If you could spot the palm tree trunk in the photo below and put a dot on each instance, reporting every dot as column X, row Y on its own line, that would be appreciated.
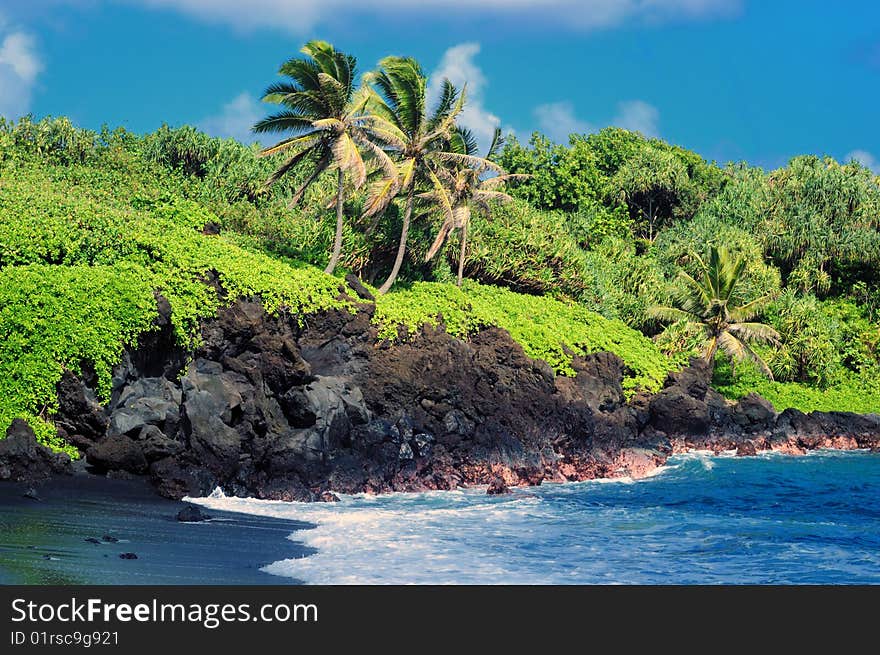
column 710, row 353
column 320, row 167
column 461, row 254
column 401, row 249
column 337, row 241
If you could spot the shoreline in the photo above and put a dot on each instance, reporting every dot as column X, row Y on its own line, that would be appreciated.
column 79, row 526
column 705, row 517
column 45, row 541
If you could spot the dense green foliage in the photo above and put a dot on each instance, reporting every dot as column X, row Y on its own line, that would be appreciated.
column 92, row 225
column 83, row 248
column 59, row 317
column 852, row 393
column 87, row 238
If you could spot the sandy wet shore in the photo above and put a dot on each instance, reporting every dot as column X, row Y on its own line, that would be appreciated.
column 51, row 539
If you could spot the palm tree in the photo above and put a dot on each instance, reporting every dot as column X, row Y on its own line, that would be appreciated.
column 325, row 116
column 465, row 189
column 707, row 305
column 420, row 140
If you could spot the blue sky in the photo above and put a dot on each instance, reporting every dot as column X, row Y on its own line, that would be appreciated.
column 731, row 79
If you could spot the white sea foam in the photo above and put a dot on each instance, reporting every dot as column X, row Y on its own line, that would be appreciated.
column 393, row 539
column 556, row 533
column 437, row 537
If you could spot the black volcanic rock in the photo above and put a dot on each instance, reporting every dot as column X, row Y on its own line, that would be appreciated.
column 358, row 287
column 275, row 408
column 117, row 453
column 497, row 487
column 22, row 459
column 191, row 514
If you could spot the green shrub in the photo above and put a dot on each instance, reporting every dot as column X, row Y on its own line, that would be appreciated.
column 54, row 318
column 624, row 283
column 852, row 392
column 81, row 254
column 527, row 250
column 547, row 329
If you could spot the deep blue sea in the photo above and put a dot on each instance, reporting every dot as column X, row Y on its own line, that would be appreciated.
column 701, row 520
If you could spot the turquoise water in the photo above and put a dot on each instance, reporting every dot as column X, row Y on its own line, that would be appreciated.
column 701, row 520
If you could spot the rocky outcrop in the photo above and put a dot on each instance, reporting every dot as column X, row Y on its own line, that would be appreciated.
column 272, row 408
column 703, row 420
column 23, row 459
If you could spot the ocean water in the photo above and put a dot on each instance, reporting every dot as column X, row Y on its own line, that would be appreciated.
column 701, row 520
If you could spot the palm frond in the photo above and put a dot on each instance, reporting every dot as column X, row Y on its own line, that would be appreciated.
column 448, row 98
column 496, row 145
column 672, row 314
column 492, row 183
column 468, row 160
column 348, row 158
column 463, row 141
column 734, row 348
column 322, row 165
column 306, row 141
column 732, row 275
column 380, row 194
column 285, row 121
column 442, row 127
column 384, row 131
column 740, row 351
column 303, row 72
column 287, row 166
column 443, row 199
column 406, row 170
column 403, row 87
column 692, row 296
column 386, row 163
column 483, row 196
column 750, row 310
column 754, row 333
column 304, row 103
column 329, row 124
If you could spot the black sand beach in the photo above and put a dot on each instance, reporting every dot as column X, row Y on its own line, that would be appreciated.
column 46, row 540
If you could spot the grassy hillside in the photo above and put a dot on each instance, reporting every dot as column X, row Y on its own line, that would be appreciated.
column 85, row 245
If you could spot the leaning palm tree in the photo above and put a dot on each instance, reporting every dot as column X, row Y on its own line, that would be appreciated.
column 707, row 305
column 466, row 189
column 420, row 140
column 324, row 114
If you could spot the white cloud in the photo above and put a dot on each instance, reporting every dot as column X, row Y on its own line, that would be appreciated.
column 638, row 116
column 458, row 66
column 19, row 67
column 18, row 51
column 865, row 158
column 300, row 16
column 235, row 119
column 557, row 120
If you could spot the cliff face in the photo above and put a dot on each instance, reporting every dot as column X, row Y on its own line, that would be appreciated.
column 269, row 408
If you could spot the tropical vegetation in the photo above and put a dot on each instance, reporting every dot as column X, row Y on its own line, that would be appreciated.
column 708, row 306
column 612, row 241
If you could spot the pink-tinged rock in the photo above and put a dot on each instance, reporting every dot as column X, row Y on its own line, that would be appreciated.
column 788, row 448
column 841, row 443
column 638, row 462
